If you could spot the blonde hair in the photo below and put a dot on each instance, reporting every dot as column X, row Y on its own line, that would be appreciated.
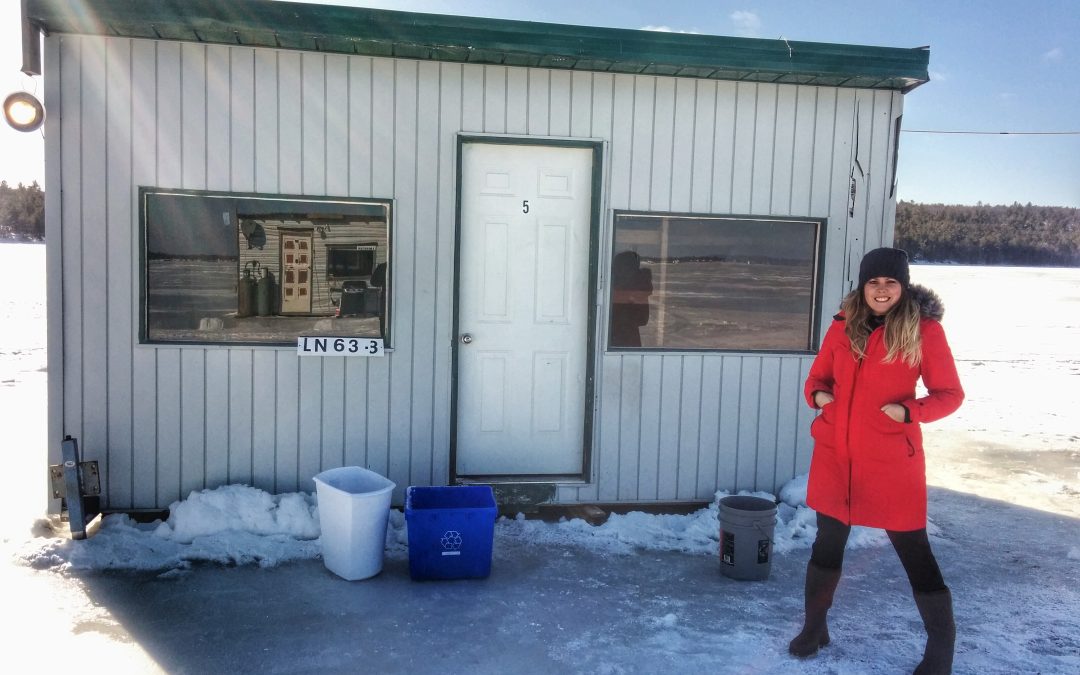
column 902, row 337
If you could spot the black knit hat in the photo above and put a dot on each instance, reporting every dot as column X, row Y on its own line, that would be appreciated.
column 885, row 262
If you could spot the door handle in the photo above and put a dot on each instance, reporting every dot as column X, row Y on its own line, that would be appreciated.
column 466, row 338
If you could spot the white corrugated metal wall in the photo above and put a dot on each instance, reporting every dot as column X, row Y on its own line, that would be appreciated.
column 165, row 420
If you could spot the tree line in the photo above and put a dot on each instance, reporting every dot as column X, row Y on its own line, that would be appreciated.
column 1018, row 234
column 22, row 212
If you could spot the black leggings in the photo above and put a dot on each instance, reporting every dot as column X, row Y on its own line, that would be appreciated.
column 913, row 549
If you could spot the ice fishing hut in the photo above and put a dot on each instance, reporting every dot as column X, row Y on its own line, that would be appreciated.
column 590, row 263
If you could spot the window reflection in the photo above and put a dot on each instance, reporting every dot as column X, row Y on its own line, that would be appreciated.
column 631, row 288
column 228, row 268
column 713, row 282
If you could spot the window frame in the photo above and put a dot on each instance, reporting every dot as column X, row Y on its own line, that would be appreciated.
column 146, row 191
column 365, row 247
column 817, row 275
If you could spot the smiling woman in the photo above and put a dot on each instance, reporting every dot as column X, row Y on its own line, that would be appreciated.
column 868, row 466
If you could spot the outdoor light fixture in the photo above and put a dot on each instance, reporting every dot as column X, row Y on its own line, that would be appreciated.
column 23, row 112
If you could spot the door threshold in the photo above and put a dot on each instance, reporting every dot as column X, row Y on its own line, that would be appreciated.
column 521, row 494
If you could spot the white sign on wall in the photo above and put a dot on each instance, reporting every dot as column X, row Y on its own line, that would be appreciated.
column 326, row 345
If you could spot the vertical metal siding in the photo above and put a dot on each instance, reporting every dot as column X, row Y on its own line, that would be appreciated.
column 143, row 158
column 424, row 307
column 71, row 249
column 448, row 97
column 94, row 246
column 167, row 419
column 118, row 309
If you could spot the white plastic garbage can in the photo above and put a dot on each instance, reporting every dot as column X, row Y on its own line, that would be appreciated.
column 354, row 506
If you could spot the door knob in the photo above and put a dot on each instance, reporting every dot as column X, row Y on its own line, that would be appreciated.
column 466, row 338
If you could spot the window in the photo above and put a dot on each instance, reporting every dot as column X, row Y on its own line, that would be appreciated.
column 350, row 261
column 226, row 268
column 685, row 282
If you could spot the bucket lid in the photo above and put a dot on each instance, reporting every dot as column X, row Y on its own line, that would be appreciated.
column 747, row 503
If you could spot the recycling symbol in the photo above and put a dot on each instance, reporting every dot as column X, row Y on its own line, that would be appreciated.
column 451, row 540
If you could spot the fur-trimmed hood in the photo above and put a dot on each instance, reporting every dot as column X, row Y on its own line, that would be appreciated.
column 930, row 304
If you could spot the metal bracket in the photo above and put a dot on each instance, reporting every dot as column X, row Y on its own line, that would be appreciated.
column 78, row 486
column 91, row 481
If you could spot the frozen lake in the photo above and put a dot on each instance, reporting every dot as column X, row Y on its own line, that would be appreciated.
column 1015, row 332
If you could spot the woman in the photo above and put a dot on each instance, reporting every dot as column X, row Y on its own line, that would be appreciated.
column 868, row 466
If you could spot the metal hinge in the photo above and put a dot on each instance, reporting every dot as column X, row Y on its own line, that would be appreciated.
column 91, row 480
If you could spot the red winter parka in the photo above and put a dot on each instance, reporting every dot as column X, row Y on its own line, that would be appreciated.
column 868, row 469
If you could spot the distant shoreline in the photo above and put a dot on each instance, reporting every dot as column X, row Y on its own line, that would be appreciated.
column 932, row 263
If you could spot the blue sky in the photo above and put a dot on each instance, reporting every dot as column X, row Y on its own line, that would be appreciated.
column 995, row 65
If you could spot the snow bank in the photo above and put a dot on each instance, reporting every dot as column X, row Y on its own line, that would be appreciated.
column 695, row 533
column 239, row 508
column 241, row 525
column 230, row 525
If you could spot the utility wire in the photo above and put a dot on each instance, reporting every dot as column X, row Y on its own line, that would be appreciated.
column 993, row 133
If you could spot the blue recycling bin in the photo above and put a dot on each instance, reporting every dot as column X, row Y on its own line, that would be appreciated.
column 451, row 531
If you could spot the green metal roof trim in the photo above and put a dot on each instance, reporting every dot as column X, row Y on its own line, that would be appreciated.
column 350, row 30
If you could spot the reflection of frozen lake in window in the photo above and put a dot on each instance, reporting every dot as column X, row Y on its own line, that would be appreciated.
column 713, row 282
column 195, row 300
column 728, row 305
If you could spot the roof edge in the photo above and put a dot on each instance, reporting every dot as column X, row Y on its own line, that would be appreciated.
column 391, row 33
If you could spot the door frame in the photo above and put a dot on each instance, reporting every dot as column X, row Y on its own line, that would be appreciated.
column 597, row 148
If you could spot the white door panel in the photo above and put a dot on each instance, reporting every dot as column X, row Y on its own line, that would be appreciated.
column 523, row 287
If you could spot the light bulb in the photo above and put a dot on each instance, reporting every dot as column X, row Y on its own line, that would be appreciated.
column 23, row 112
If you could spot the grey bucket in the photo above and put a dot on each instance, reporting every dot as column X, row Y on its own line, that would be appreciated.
column 746, row 536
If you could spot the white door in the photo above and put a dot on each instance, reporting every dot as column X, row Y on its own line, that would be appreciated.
column 522, row 309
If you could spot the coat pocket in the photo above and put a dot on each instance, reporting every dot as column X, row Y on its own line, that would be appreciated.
column 889, row 440
column 822, row 429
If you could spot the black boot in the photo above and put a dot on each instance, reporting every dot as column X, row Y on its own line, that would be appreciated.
column 820, row 585
column 936, row 610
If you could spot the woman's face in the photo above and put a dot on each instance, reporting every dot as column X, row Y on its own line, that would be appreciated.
column 882, row 294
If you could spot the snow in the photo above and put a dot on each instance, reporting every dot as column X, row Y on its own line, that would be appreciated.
column 241, row 509
column 239, row 524
column 232, row 580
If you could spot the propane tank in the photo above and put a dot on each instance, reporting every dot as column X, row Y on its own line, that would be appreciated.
column 245, row 292
column 264, row 294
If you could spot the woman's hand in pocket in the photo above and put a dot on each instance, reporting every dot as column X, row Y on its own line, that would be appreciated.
column 822, row 398
column 895, row 411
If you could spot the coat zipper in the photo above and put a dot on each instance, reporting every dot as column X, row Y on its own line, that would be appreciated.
column 847, row 439
column 854, row 381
